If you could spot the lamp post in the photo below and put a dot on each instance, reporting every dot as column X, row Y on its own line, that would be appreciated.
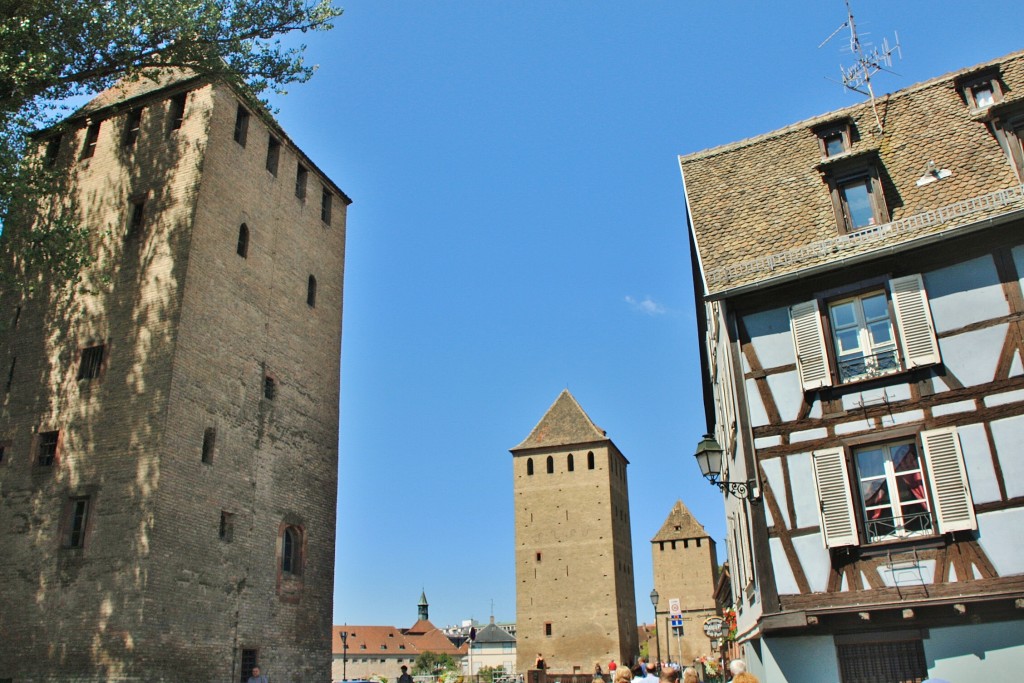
column 344, row 654
column 657, row 636
column 709, row 459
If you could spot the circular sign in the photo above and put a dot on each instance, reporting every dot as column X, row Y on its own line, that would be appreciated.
column 713, row 627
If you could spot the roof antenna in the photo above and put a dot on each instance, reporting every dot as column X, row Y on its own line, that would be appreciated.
column 866, row 62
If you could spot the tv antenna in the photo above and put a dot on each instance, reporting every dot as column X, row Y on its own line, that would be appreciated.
column 867, row 61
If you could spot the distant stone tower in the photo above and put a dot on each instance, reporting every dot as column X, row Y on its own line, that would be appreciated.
column 574, row 565
column 685, row 569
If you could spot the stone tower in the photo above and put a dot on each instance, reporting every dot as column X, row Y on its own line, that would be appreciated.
column 685, row 569
column 574, row 565
column 169, row 434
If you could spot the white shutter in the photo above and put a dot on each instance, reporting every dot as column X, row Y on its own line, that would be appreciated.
column 914, row 320
column 809, row 343
column 835, row 502
column 951, row 492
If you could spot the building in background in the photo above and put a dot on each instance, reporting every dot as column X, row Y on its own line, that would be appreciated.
column 859, row 284
column 685, row 564
column 169, row 432
column 492, row 648
column 574, row 565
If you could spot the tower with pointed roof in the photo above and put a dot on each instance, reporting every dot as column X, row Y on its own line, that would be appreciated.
column 685, row 569
column 423, row 608
column 575, row 601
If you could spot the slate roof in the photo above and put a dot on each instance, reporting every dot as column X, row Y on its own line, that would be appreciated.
column 760, row 209
column 492, row 633
column 564, row 424
column 680, row 524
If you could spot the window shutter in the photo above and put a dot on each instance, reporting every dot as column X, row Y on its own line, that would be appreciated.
column 951, row 493
column 809, row 342
column 835, row 502
column 914, row 320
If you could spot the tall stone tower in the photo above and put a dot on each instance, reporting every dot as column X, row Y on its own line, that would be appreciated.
column 169, row 433
column 685, row 569
column 574, row 564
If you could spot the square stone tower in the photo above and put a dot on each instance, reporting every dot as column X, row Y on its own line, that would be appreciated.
column 169, row 432
column 685, row 563
column 575, row 600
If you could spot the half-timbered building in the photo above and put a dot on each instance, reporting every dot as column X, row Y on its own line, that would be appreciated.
column 859, row 292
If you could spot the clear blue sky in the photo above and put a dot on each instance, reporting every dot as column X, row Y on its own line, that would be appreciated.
column 519, row 228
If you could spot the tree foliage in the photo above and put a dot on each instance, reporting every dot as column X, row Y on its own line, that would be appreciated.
column 487, row 674
column 53, row 50
column 433, row 663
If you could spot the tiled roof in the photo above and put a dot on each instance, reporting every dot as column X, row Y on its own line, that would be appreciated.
column 142, row 84
column 388, row 640
column 760, row 208
column 680, row 524
column 564, row 424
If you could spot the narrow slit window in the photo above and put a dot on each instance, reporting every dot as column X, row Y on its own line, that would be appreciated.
column 52, row 150
column 529, row 467
column 136, row 217
column 325, row 206
column 590, row 460
column 241, row 125
column 209, row 444
column 311, row 292
column 551, row 465
column 227, row 526
column 92, row 136
column 78, row 517
column 291, row 551
column 269, row 388
column 570, row 465
column 243, row 241
column 301, row 175
column 176, row 113
column 91, row 362
column 132, row 126
column 273, row 154
column 47, row 449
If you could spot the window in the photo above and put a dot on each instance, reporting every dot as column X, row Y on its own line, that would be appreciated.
column 906, row 487
column 569, row 463
column 1008, row 127
column 892, row 491
column 273, row 154
column 92, row 136
column 136, row 216
column 243, row 241
column 301, row 174
column 52, row 150
column 325, row 206
column 590, row 460
column 862, row 336
column 227, row 526
column 76, row 522
column 241, row 125
column 529, row 467
column 862, row 330
column 551, row 465
column 539, row 557
column 249, row 662
column 547, row 628
column 855, row 183
column 91, row 362
column 981, row 91
column 834, row 138
column 132, row 125
column 893, row 658
column 176, row 111
column 47, row 444
column 269, row 387
column 209, row 443
column 291, row 551
column 311, row 292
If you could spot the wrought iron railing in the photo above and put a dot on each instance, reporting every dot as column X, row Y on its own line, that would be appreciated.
column 862, row 367
column 887, row 232
column 897, row 527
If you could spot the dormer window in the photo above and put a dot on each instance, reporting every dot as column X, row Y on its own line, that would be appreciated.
column 981, row 91
column 834, row 138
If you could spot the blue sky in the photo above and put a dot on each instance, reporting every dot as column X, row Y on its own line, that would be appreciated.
column 519, row 228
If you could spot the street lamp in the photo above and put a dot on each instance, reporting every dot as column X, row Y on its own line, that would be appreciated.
column 344, row 654
column 709, row 459
column 657, row 636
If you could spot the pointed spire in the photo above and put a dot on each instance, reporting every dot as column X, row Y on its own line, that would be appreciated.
column 680, row 524
column 564, row 424
column 423, row 607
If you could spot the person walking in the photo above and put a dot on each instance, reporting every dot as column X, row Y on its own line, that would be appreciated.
column 405, row 677
column 257, row 677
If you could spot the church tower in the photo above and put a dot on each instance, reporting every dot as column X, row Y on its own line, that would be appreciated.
column 685, row 565
column 575, row 600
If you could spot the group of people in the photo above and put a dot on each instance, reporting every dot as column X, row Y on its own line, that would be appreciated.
column 644, row 672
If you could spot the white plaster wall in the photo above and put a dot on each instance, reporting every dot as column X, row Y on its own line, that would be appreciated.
column 805, row 500
column 784, row 581
column 1008, row 435
column 978, row 457
column 804, row 659
column 978, row 652
column 814, row 559
column 972, row 356
column 773, row 471
column 771, row 337
column 999, row 536
column 788, row 396
column 965, row 293
column 755, row 409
